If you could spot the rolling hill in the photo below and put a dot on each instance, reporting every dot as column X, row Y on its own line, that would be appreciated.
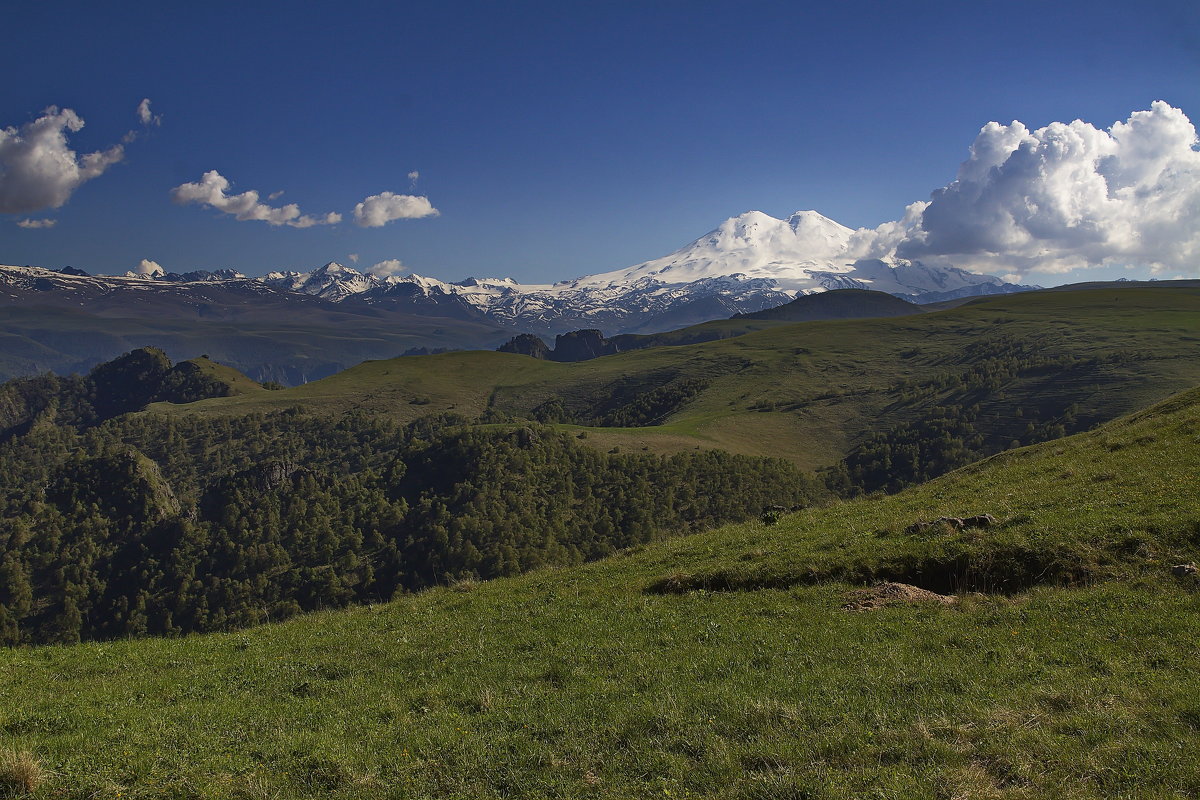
column 1022, row 367
column 734, row 663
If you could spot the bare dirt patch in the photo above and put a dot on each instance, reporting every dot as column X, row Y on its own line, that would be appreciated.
column 890, row 594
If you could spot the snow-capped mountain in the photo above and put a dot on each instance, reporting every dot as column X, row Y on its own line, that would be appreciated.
column 331, row 282
column 748, row 263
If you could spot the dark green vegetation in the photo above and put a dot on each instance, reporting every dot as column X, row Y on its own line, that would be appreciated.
column 1071, row 675
column 156, row 525
column 632, row 661
column 125, row 384
column 838, row 304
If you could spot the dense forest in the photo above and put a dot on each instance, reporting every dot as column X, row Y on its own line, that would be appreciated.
column 153, row 524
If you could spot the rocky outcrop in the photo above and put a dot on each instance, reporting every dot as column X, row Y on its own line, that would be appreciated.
column 527, row 344
column 573, row 346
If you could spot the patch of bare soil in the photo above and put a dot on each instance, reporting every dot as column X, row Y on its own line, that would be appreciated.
column 890, row 594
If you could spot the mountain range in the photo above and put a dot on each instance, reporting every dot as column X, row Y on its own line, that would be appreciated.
column 749, row 263
column 295, row 327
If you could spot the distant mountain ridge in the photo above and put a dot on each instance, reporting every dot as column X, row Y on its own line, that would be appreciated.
column 748, row 263
column 64, row 321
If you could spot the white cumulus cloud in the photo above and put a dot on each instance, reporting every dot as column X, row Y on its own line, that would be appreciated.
column 213, row 190
column 147, row 269
column 387, row 268
column 1063, row 197
column 380, row 209
column 36, row 223
column 145, row 115
column 39, row 170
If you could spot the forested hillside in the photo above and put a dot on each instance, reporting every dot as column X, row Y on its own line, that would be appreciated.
column 156, row 525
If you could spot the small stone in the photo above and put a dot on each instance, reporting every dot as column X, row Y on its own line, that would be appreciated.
column 1183, row 570
column 980, row 521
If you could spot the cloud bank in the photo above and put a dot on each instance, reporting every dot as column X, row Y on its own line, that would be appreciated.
column 36, row 223
column 213, row 190
column 387, row 268
column 380, row 209
column 39, row 170
column 1062, row 197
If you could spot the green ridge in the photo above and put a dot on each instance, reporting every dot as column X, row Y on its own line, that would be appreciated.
column 813, row 391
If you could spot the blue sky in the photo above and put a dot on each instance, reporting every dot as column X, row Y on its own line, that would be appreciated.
column 555, row 139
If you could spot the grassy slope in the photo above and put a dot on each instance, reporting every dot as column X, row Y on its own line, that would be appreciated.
column 582, row 683
column 239, row 384
column 829, row 381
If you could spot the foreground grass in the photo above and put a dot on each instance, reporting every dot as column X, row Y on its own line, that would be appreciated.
column 1076, row 679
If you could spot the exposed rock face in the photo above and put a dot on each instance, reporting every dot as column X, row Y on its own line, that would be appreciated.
column 270, row 476
column 572, row 346
column 527, row 344
column 582, row 345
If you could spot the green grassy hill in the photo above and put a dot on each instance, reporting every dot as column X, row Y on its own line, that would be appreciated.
column 813, row 391
column 720, row 665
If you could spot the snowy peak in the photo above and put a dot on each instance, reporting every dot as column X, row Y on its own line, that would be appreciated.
column 752, row 244
column 819, row 235
column 332, row 281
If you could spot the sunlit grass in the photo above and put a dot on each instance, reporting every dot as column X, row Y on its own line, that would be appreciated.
column 582, row 682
